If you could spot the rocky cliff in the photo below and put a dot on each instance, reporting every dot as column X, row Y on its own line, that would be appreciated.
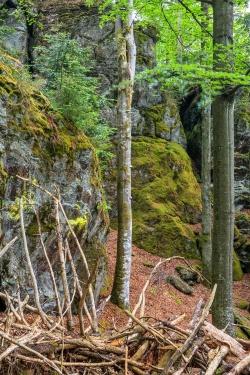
column 160, row 140
column 163, row 217
column 37, row 144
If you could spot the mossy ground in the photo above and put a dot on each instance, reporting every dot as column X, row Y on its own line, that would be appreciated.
column 166, row 198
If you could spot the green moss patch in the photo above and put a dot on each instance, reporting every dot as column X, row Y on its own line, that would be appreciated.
column 237, row 270
column 30, row 112
column 166, row 198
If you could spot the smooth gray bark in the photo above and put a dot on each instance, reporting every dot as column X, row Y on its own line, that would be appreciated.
column 206, row 245
column 206, row 130
column 223, row 152
column 126, row 50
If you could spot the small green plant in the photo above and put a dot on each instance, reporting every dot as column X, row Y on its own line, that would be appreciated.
column 66, row 69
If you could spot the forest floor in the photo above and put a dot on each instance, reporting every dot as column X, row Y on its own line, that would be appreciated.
column 163, row 301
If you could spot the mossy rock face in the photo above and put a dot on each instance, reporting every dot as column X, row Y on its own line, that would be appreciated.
column 237, row 270
column 163, row 121
column 166, row 198
column 242, row 240
column 36, row 143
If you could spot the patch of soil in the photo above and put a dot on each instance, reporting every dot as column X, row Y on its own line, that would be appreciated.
column 163, row 301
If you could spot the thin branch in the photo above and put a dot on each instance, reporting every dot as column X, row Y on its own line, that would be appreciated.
column 7, row 247
column 214, row 364
column 171, row 27
column 34, row 352
column 195, row 18
column 33, row 277
column 52, row 275
column 62, row 259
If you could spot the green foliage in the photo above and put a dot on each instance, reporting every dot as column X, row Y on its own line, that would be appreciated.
column 66, row 69
column 185, row 46
column 27, row 8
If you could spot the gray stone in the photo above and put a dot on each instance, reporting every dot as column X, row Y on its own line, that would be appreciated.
column 75, row 173
column 179, row 284
column 187, row 275
column 16, row 41
column 3, row 113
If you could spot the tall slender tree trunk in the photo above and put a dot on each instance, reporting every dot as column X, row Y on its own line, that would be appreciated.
column 206, row 130
column 206, row 245
column 126, row 50
column 223, row 140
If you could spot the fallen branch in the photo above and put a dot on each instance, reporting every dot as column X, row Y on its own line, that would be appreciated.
column 191, row 338
column 235, row 347
column 213, row 366
column 34, row 352
column 241, row 366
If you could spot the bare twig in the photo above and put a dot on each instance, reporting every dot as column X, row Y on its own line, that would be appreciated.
column 34, row 352
column 33, row 277
column 7, row 247
column 22, row 340
column 62, row 265
column 79, row 290
column 52, row 275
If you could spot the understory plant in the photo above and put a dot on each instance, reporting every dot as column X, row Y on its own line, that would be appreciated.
column 68, row 81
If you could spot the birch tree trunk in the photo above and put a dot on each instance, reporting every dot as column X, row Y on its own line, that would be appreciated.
column 126, row 51
column 206, row 129
column 206, row 245
column 223, row 138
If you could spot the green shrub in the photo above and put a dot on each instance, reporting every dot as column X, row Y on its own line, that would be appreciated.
column 66, row 69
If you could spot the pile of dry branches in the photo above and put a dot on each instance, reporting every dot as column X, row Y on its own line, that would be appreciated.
column 144, row 346
column 33, row 342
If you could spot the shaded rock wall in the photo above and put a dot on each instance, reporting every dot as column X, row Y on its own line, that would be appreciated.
column 37, row 144
column 18, row 39
column 191, row 119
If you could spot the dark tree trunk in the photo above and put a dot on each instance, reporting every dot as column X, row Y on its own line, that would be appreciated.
column 223, row 139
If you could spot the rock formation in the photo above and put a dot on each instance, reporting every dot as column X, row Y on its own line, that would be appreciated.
column 37, row 144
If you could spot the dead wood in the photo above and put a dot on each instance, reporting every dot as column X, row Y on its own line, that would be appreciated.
column 63, row 267
column 223, row 338
column 7, row 247
column 192, row 336
column 216, row 361
column 244, row 364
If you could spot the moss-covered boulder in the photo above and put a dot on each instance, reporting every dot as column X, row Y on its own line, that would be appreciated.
column 39, row 145
column 242, row 240
column 166, row 198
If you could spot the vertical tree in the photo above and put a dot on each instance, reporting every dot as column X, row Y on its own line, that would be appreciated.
column 126, row 53
column 223, row 138
column 206, row 129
